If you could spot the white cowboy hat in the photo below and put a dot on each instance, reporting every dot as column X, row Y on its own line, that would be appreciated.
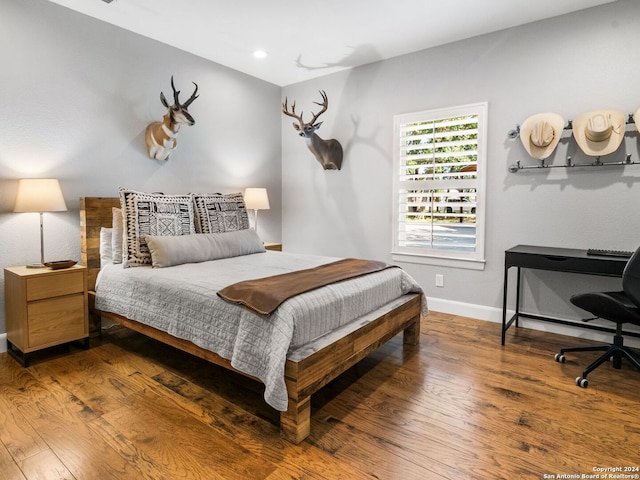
column 541, row 133
column 599, row 132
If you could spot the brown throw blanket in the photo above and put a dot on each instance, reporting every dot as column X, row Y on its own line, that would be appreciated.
column 264, row 295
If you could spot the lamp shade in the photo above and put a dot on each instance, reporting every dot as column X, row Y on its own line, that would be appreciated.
column 256, row 199
column 39, row 195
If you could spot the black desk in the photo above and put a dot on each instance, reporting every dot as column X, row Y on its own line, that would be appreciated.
column 557, row 260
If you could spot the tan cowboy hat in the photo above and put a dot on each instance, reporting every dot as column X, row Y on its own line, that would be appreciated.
column 636, row 119
column 599, row 132
column 541, row 133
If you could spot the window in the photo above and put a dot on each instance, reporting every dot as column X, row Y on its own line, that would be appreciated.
column 439, row 172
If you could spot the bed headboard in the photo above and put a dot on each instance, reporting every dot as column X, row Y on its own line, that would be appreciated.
column 95, row 212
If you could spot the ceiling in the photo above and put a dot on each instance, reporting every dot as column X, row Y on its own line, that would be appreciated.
column 307, row 39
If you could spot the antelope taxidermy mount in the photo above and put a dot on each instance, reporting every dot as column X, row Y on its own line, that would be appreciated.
column 327, row 152
column 161, row 136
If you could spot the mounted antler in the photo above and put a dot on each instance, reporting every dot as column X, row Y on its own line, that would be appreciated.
column 161, row 136
column 327, row 152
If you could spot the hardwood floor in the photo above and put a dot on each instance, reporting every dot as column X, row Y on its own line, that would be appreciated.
column 459, row 406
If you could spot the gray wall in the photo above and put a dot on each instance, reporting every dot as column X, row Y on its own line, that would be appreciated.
column 570, row 64
column 76, row 95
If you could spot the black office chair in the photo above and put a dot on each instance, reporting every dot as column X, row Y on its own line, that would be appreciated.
column 618, row 307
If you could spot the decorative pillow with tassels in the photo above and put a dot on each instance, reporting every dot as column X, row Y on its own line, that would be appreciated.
column 152, row 214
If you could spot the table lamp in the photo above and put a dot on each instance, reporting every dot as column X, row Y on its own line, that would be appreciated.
column 39, row 195
column 256, row 199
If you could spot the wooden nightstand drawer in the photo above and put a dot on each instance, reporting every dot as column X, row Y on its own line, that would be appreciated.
column 55, row 320
column 45, row 308
column 54, row 285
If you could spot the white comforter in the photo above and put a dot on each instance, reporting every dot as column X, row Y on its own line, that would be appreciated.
column 182, row 301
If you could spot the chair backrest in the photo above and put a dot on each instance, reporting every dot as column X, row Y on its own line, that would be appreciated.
column 631, row 278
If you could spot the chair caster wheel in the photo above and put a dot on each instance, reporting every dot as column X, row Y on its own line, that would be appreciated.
column 560, row 358
column 582, row 382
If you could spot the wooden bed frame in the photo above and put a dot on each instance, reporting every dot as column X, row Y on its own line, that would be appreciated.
column 307, row 369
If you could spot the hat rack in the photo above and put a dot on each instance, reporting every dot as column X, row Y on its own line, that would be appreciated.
column 515, row 133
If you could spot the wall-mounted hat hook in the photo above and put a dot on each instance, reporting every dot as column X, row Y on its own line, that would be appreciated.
column 515, row 167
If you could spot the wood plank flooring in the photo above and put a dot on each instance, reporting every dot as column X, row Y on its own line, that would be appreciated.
column 458, row 406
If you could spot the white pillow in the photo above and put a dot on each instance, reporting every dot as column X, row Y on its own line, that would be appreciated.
column 106, row 255
column 167, row 251
column 117, row 235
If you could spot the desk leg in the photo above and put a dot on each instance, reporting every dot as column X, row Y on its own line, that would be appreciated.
column 517, row 316
column 506, row 324
column 504, row 303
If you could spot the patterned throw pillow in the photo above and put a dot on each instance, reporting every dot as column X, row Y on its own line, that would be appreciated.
column 217, row 213
column 152, row 214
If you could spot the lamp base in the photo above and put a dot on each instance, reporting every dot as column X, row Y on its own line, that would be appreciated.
column 36, row 265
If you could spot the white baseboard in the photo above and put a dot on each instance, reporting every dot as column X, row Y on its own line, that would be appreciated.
column 492, row 314
column 3, row 342
column 465, row 309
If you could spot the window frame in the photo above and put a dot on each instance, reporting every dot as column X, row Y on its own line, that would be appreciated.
column 432, row 256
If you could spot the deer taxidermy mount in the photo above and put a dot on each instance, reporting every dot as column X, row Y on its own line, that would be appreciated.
column 161, row 136
column 327, row 152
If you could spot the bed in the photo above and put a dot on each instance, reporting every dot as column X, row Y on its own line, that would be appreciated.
column 307, row 367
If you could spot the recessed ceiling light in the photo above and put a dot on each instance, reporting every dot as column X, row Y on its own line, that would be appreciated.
column 260, row 53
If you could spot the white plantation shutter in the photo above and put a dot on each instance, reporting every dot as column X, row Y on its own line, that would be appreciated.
column 439, row 160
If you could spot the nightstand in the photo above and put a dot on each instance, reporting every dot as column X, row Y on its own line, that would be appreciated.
column 277, row 247
column 44, row 308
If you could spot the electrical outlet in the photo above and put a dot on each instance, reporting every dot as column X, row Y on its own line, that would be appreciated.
column 439, row 280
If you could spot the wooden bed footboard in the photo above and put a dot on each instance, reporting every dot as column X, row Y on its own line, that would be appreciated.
column 307, row 369
column 312, row 366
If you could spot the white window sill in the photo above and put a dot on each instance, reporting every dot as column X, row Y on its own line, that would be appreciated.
column 439, row 261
